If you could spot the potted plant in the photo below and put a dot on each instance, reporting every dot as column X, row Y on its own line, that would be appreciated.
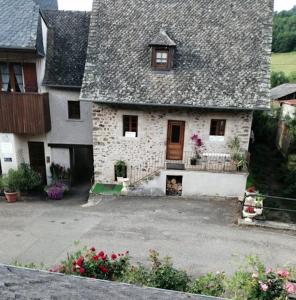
column 198, row 148
column 237, row 155
column 259, row 205
column 11, row 183
column 120, row 171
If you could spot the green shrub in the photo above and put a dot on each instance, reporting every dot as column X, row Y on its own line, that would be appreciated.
column 210, row 284
column 138, row 275
column 12, row 182
column 30, row 179
column 164, row 276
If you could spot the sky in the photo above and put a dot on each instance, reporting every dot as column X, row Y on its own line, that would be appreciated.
column 87, row 4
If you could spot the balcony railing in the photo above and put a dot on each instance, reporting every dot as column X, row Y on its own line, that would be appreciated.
column 24, row 113
column 212, row 162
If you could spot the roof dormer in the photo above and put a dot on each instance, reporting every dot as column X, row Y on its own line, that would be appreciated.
column 163, row 50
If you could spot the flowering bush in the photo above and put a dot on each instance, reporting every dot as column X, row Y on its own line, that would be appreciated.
column 259, row 283
column 198, row 145
column 95, row 264
column 55, row 193
column 251, row 282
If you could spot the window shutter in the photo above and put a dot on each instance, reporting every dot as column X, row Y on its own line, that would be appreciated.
column 30, row 77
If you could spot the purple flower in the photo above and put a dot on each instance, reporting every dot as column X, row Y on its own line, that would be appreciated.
column 55, row 193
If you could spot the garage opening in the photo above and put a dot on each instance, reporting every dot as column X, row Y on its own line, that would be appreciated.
column 174, row 185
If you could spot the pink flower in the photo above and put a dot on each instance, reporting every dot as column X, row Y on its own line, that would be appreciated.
column 263, row 286
column 268, row 270
column 290, row 288
column 283, row 273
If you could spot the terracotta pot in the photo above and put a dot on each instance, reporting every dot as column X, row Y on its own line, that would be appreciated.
column 11, row 197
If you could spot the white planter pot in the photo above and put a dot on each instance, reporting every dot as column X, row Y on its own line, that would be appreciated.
column 120, row 179
column 249, row 216
column 125, row 187
column 259, row 211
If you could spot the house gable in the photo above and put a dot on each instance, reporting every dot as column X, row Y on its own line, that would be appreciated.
column 221, row 61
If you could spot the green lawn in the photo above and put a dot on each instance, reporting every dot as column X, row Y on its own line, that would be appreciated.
column 285, row 62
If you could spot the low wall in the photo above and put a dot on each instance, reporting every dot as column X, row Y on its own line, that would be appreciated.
column 196, row 183
column 18, row 283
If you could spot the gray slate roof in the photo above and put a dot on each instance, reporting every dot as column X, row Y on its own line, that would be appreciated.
column 17, row 283
column 67, row 46
column 283, row 90
column 47, row 4
column 20, row 25
column 222, row 55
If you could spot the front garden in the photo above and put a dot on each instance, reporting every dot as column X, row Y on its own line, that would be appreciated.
column 250, row 282
column 24, row 181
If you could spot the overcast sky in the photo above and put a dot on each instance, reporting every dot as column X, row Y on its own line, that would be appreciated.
column 86, row 4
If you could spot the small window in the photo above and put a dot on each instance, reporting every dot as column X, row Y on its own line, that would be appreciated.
column 218, row 127
column 74, row 110
column 161, row 58
column 11, row 77
column 130, row 126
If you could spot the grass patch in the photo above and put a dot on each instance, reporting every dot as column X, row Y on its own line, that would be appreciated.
column 106, row 189
column 285, row 62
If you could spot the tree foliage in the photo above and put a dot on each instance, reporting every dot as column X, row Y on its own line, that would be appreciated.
column 284, row 31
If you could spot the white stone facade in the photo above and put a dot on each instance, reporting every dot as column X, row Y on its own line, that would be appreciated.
column 110, row 145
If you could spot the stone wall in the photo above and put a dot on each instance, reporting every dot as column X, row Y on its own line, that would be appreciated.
column 110, row 145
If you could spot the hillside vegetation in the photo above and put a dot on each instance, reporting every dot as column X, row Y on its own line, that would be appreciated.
column 284, row 31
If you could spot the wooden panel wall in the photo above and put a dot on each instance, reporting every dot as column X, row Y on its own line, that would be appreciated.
column 24, row 113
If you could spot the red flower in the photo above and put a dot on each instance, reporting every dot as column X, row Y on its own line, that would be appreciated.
column 93, row 249
column 104, row 258
column 103, row 269
column 81, row 270
column 80, row 261
column 101, row 254
column 96, row 258
column 74, row 263
column 113, row 256
column 127, row 252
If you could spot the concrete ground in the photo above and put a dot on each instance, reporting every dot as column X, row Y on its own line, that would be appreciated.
column 200, row 235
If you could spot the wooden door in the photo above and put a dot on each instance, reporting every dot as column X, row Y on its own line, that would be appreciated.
column 30, row 78
column 175, row 140
column 37, row 158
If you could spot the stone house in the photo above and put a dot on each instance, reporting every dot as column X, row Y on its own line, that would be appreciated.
column 159, row 72
column 42, row 58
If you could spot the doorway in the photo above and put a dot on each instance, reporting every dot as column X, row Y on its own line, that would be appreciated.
column 37, row 159
column 175, row 140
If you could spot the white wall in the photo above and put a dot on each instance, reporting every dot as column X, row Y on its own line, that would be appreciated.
column 197, row 183
column 288, row 110
column 64, row 130
column 61, row 156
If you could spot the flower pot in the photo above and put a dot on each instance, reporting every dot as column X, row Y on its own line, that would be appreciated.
column 249, row 216
column 120, row 179
column 11, row 197
column 125, row 186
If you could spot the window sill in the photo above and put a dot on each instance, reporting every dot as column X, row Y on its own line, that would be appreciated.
column 74, row 120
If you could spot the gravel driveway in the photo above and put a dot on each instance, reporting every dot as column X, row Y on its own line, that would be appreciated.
column 200, row 235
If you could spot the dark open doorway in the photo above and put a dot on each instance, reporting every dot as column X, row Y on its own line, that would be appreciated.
column 81, row 162
column 37, row 158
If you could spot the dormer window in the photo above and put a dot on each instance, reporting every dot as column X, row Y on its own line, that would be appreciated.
column 163, row 49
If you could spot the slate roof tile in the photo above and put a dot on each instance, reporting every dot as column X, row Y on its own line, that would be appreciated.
column 283, row 90
column 222, row 56
column 67, row 46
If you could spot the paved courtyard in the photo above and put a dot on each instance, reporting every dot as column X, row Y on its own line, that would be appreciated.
column 200, row 235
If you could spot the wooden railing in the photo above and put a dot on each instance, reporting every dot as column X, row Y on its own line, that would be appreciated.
column 24, row 113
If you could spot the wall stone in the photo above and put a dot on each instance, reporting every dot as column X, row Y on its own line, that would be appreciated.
column 110, row 145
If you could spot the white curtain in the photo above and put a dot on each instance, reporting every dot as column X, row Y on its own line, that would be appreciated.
column 18, row 71
column 4, row 72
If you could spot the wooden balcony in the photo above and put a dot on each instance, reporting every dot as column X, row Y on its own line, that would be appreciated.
column 24, row 113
